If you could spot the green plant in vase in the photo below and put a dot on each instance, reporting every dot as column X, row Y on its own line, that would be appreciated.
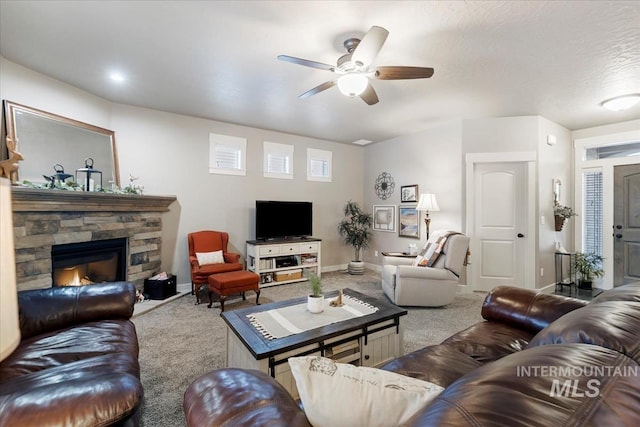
column 356, row 231
column 589, row 265
column 561, row 214
column 315, row 301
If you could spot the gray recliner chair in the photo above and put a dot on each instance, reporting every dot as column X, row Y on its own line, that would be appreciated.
column 432, row 286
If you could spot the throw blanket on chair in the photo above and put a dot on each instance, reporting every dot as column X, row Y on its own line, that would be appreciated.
column 433, row 248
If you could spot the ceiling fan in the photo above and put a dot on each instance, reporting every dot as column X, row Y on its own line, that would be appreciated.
column 353, row 68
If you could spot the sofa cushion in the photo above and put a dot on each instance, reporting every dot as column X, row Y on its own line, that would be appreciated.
column 611, row 324
column 91, row 392
column 438, row 364
column 489, row 341
column 205, row 258
column 86, row 341
column 522, row 390
column 629, row 292
column 525, row 309
column 335, row 394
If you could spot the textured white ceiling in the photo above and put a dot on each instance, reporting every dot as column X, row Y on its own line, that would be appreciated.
column 217, row 59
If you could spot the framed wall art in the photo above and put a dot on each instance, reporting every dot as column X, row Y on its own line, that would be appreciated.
column 384, row 218
column 409, row 193
column 408, row 222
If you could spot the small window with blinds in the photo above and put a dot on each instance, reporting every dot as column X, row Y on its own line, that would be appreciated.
column 278, row 160
column 227, row 154
column 319, row 165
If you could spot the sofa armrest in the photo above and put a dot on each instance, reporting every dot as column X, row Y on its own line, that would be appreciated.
column 240, row 397
column 526, row 308
column 231, row 257
column 45, row 310
column 427, row 273
column 396, row 260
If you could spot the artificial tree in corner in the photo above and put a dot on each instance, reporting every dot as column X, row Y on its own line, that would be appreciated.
column 356, row 232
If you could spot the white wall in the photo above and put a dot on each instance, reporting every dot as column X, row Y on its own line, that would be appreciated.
column 169, row 153
column 432, row 159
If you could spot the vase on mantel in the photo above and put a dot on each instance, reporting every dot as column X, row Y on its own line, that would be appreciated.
column 559, row 222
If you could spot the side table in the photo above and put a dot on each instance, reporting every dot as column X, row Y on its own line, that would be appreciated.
column 399, row 254
column 565, row 270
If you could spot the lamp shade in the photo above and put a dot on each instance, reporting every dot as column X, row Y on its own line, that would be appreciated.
column 352, row 84
column 428, row 202
column 9, row 323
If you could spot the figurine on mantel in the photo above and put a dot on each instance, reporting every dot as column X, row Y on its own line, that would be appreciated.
column 9, row 167
column 133, row 189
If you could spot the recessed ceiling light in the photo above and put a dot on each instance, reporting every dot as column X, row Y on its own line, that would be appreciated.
column 116, row 77
column 623, row 102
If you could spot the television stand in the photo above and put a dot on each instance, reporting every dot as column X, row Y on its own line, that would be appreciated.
column 283, row 261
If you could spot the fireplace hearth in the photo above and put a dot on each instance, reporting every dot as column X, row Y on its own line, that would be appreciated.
column 86, row 263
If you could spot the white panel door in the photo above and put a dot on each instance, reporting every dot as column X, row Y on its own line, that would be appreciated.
column 500, row 201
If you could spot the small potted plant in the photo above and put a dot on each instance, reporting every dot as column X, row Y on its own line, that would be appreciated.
column 589, row 265
column 356, row 231
column 315, row 301
column 561, row 214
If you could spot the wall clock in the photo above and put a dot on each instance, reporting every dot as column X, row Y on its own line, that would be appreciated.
column 384, row 185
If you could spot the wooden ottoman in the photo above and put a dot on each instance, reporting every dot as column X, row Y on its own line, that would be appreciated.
column 233, row 282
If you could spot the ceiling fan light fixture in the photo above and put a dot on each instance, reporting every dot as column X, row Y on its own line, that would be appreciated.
column 352, row 84
column 620, row 103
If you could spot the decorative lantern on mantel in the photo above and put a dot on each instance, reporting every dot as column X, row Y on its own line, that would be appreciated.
column 88, row 170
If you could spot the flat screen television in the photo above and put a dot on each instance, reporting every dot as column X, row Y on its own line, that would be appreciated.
column 282, row 219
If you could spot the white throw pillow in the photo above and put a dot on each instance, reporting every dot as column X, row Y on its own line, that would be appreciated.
column 338, row 394
column 205, row 258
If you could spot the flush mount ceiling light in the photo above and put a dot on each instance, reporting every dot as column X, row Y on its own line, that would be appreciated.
column 116, row 77
column 352, row 84
column 623, row 102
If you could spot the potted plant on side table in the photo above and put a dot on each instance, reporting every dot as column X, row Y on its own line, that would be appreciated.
column 561, row 214
column 315, row 301
column 589, row 265
column 356, row 231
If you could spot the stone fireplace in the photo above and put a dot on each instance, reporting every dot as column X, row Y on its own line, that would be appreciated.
column 48, row 219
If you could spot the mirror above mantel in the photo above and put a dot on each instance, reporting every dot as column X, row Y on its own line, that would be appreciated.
column 45, row 140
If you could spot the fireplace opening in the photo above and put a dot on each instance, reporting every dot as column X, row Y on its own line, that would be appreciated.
column 86, row 263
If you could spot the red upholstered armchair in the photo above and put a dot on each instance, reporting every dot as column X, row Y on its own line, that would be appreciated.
column 206, row 259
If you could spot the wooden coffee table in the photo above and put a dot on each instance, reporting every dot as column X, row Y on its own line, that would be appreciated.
column 369, row 340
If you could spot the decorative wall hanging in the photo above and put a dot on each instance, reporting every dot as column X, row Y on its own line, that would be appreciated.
column 409, row 193
column 384, row 185
column 384, row 218
column 409, row 222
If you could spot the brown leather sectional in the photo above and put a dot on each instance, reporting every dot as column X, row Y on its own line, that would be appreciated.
column 536, row 360
column 77, row 362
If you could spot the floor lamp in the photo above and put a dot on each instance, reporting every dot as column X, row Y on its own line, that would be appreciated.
column 9, row 324
column 427, row 203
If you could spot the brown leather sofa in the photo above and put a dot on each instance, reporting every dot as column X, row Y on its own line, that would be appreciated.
column 536, row 360
column 77, row 362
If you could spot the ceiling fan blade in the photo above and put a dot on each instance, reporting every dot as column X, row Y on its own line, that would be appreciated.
column 318, row 89
column 402, row 73
column 369, row 46
column 306, row 62
column 369, row 95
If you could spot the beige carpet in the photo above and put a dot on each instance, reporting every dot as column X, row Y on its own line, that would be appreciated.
column 180, row 341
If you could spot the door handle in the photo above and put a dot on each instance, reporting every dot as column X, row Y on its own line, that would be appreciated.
column 618, row 236
column 619, row 227
column 520, row 235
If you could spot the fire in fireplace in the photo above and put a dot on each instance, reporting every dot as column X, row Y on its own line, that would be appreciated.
column 85, row 263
